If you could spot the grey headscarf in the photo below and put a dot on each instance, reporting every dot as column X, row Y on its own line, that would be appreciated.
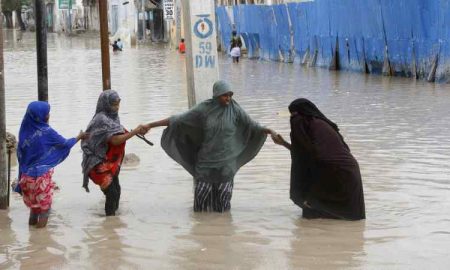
column 103, row 126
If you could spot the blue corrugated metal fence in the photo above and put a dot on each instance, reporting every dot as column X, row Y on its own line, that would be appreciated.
column 395, row 37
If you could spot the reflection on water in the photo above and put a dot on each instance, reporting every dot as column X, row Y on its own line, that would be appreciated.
column 7, row 241
column 397, row 129
column 339, row 243
column 104, row 241
column 215, row 241
column 210, row 235
column 42, row 251
column 28, row 247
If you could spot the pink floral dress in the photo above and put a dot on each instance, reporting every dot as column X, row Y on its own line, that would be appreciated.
column 37, row 192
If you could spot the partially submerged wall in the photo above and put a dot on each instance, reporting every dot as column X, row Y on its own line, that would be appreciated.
column 392, row 37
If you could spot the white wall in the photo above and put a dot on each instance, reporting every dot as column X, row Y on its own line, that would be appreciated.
column 126, row 26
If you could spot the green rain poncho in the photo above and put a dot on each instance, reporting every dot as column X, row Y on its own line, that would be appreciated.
column 212, row 141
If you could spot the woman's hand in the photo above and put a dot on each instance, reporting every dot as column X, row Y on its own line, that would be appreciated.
column 119, row 139
column 140, row 129
column 277, row 138
column 82, row 136
column 147, row 128
column 269, row 131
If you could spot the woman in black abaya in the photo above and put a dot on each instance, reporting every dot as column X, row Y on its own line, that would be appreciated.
column 325, row 177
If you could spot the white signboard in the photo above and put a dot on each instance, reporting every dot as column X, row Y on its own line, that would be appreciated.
column 201, row 7
column 204, row 47
column 169, row 9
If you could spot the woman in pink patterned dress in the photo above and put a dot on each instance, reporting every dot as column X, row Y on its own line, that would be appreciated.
column 40, row 149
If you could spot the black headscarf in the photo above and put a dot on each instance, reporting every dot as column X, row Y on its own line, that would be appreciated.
column 331, row 189
column 307, row 108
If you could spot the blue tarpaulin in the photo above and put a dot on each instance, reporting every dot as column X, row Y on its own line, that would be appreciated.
column 399, row 37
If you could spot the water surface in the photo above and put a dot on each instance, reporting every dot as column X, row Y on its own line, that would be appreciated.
column 398, row 130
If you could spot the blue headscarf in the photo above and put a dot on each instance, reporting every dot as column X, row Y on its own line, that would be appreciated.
column 40, row 147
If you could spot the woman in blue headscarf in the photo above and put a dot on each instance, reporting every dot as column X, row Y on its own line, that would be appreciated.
column 39, row 150
column 212, row 141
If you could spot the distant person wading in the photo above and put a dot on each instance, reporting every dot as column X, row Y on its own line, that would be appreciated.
column 235, row 47
column 117, row 46
column 182, row 46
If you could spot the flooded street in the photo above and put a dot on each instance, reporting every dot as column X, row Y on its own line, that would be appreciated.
column 398, row 130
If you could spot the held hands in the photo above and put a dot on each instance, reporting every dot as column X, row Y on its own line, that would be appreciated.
column 269, row 131
column 278, row 139
column 146, row 128
column 275, row 136
column 82, row 135
column 140, row 129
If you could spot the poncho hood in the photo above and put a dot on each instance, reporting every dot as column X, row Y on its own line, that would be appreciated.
column 220, row 88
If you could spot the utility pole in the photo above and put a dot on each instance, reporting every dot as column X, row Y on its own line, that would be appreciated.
column 143, row 19
column 104, row 44
column 202, row 65
column 178, row 21
column 41, row 50
column 4, row 187
column 70, row 16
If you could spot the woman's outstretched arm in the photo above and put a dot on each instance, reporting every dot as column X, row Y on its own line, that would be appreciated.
column 119, row 139
column 268, row 131
column 160, row 123
column 278, row 139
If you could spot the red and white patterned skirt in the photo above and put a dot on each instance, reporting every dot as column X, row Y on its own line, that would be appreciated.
column 37, row 192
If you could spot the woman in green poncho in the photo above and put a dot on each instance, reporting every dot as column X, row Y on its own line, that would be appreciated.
column 212, row 141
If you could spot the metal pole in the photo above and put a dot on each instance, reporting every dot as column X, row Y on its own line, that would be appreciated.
column 9, row 175
column 4, row 187
column 70, row 16
column 189, row 60
column 178, row 21
column 104, row 43
column 169, row 26
column 41, row 50
column 143, row 19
